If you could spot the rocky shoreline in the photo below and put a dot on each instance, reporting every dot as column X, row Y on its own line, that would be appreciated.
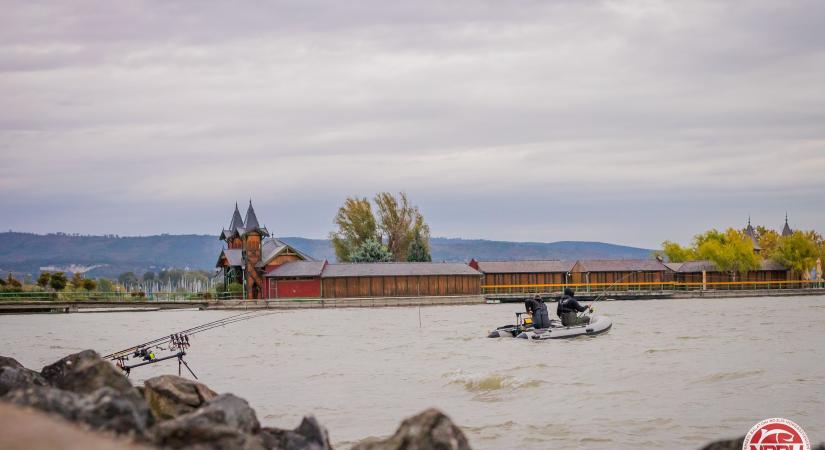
column 84, row 402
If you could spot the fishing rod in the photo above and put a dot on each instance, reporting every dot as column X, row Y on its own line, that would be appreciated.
column 603, row 294
column 165, row 339
column 177, row 342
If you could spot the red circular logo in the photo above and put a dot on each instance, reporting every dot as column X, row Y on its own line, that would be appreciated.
column 776, row 434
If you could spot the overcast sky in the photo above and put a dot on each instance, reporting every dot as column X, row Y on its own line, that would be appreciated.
column 627, row 122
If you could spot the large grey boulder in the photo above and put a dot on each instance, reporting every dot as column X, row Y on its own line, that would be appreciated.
column 170, row 396
column 47, row 399
column 310, row 435
column 86, row 372
column 225, row 422
column 103, row 409
column 429, row 430
column 107, row 409
column 14, row 376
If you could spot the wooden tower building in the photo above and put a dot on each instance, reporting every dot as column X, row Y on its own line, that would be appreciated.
column 250, row 252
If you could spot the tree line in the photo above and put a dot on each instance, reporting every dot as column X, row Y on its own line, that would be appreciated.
column 396, row 232
column 165, row 280
column 732, row 250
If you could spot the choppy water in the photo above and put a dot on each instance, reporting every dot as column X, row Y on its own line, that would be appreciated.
column 671, row 373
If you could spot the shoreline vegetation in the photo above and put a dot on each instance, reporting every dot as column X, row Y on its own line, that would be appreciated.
column 737, row 252
column 86, row 403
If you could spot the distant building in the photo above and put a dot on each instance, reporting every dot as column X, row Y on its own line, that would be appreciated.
column 250, row 252
column 523, row 272
column 270, row 268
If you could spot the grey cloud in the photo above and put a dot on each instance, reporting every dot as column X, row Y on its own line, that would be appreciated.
column 480, row 110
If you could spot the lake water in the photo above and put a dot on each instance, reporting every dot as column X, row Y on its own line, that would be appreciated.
column 670, row 374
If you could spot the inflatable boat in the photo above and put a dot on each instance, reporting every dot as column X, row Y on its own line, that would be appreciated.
column 523, row 328
column 598, row 325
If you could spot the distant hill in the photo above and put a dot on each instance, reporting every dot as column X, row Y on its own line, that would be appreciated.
column 109, row 256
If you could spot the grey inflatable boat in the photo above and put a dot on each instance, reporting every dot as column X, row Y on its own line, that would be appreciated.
column 598, row 325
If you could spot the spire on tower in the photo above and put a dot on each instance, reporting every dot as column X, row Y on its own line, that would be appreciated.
column 751, row 233
column 786, row 230
column 251, row 222
column 236, row 222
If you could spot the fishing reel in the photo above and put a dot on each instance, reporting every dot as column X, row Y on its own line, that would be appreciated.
column 179, row 341
column 144, row 354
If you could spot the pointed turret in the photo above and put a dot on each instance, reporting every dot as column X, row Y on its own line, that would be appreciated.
column 752, row 234
column 236, row 222
column 251, row 222
column 786, row 230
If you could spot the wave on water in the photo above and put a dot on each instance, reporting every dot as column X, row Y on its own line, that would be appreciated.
column 687, row 338
column 492, row 382
column 728, row 376
column 662, row 350
column 304, row 333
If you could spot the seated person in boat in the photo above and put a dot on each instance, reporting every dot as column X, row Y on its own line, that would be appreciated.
column 537, row 308
column 568, row 309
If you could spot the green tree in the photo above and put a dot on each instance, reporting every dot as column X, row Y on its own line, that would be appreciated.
column 768, row 239
column 76, row 281
column 419, row 250
column 399, row 221
column 105, row 285
column 676, row 253
column 89, row 284
column 356, row 225
column 2, row 282
column 12, row 282
column 818, row 241
column 149, row 276
column 127, row 278
column 235, row 289
column 797, row 252
column 43, row 279
column 371, row 251
column 58, row 281
column 731, row 251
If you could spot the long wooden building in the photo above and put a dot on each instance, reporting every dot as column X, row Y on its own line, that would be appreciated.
column 351, row 280
column 618, row 270
column 706, row 272
column 503, row 275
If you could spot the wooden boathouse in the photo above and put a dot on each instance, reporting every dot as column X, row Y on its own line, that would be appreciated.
column 523, row 273
column 393, row 279
column 706, row 272
column 610, row 271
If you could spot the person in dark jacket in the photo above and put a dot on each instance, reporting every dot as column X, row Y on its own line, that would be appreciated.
column 541, row 318
column 531, row 304
column 569, row 308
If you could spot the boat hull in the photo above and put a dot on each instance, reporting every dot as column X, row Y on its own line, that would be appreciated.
column 598, row 325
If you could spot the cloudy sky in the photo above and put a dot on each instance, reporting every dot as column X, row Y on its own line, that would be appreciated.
column 620, row 121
